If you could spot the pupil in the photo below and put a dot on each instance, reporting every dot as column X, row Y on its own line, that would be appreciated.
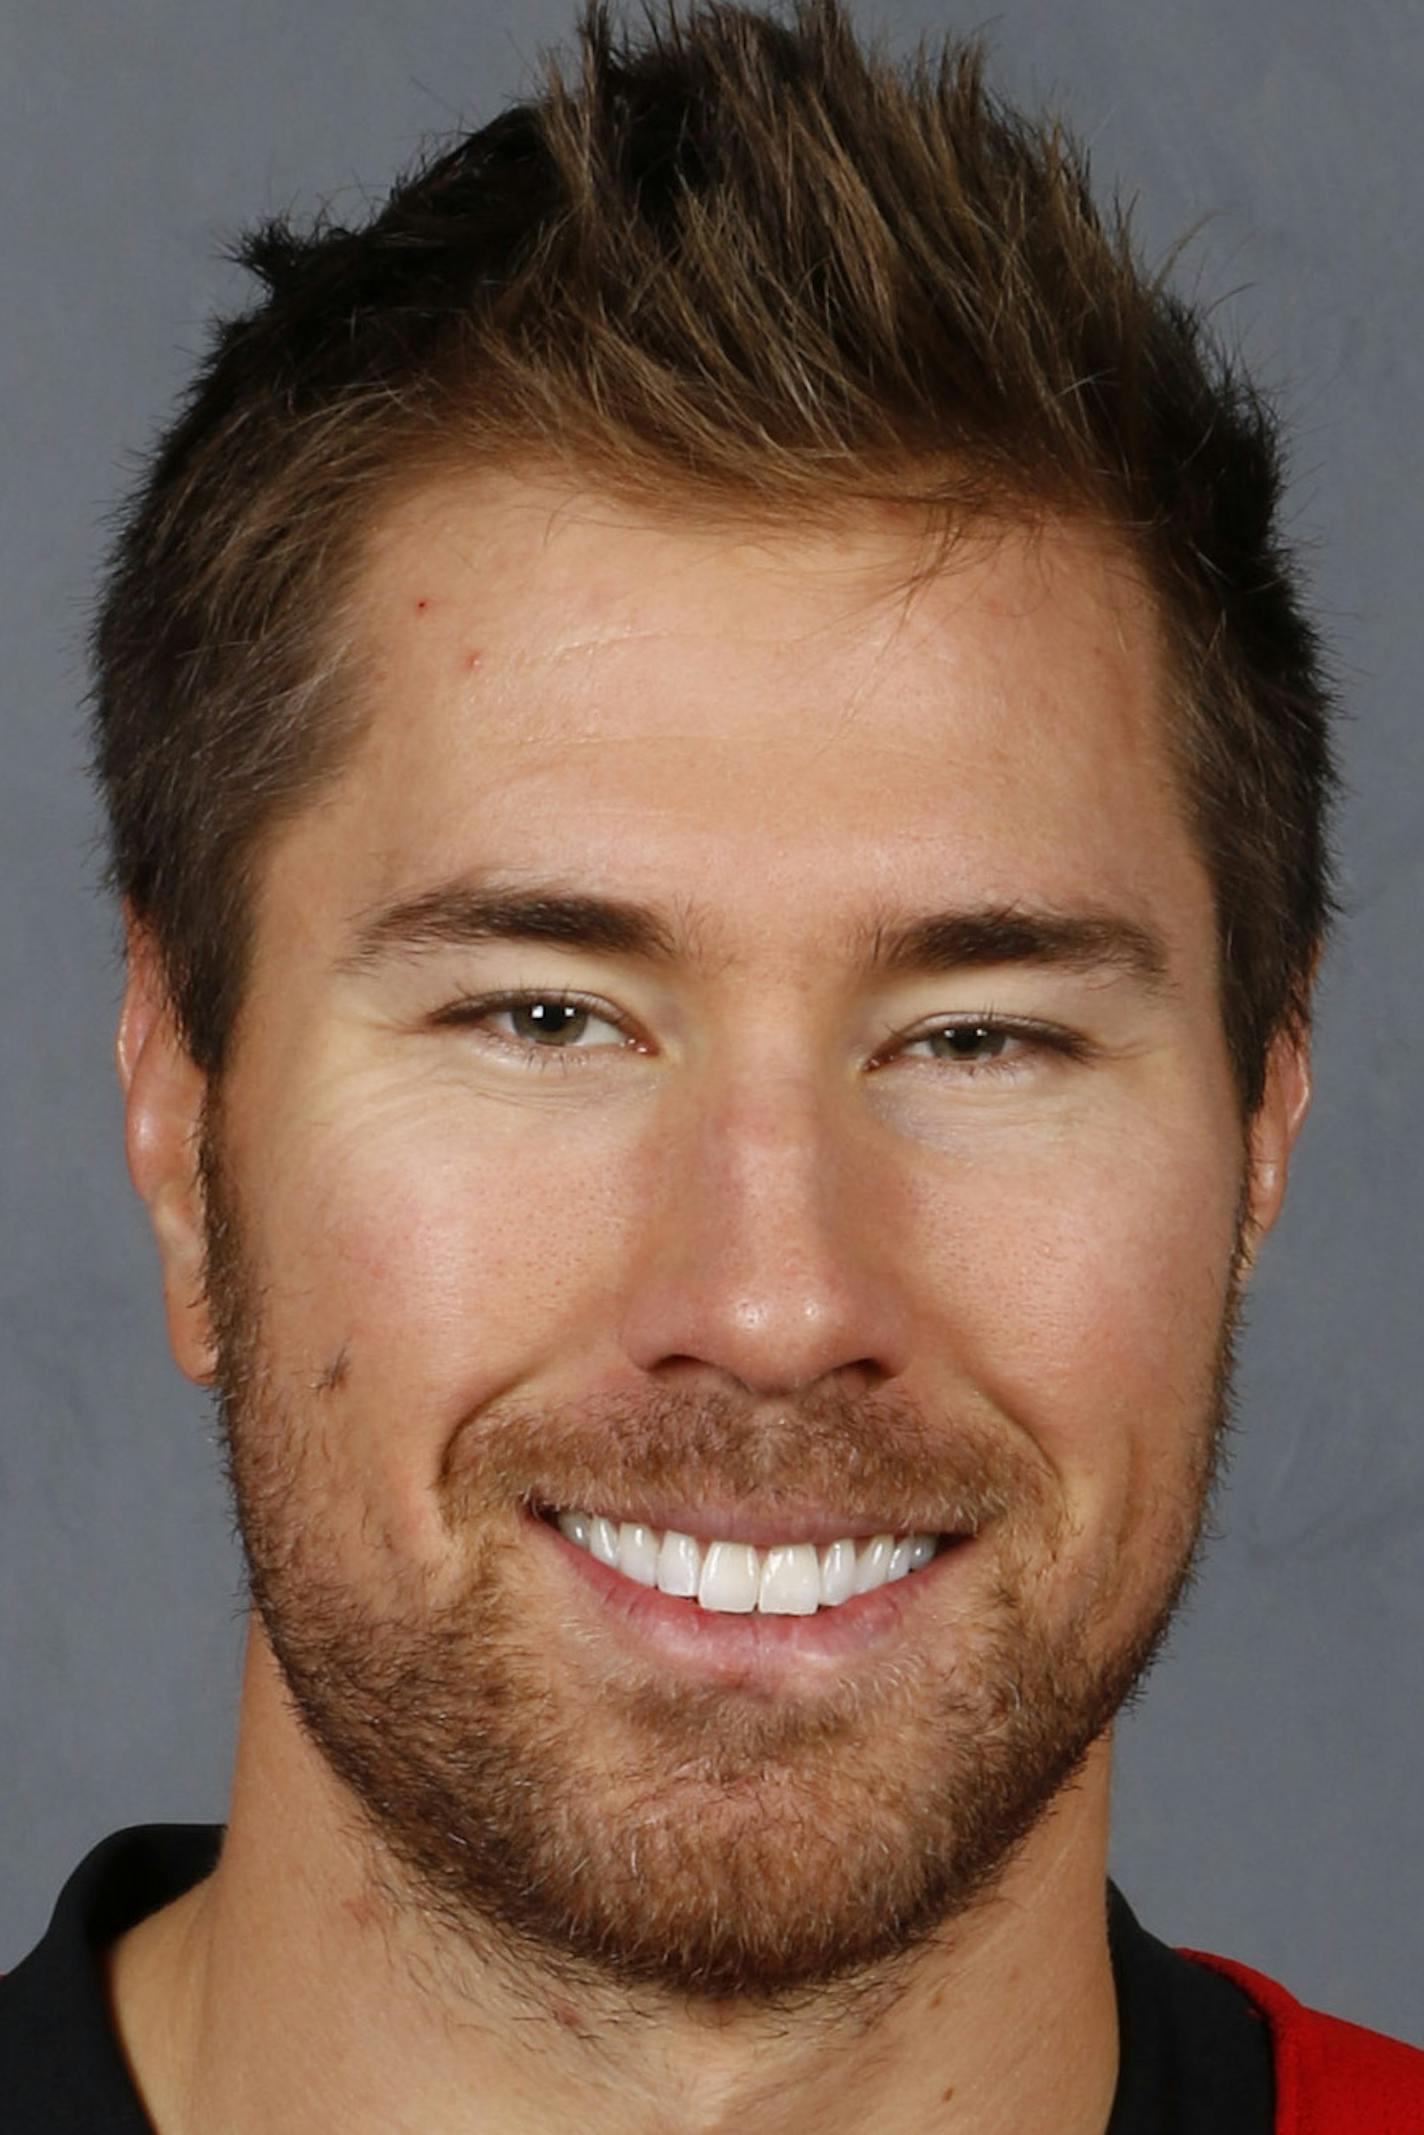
column 969, row 1042
column 559, row 1020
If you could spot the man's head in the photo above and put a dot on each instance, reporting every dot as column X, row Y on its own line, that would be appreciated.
column 741, row 1015
column 747, row 269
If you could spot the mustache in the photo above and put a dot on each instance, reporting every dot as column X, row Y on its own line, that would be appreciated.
column 874, row 1459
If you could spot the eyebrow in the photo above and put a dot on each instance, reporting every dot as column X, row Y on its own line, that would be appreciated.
column 462, row 914
column 1105, row 942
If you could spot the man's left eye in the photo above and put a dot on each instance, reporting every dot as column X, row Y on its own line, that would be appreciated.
column 986, row 1048
column 974, row 1044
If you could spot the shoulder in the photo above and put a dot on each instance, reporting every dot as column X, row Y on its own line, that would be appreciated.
column 1332, row 2078
column 61, row 2065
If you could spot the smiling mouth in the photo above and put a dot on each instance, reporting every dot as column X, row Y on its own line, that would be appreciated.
column 791, row 1578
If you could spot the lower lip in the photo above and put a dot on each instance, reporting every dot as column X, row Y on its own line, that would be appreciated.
column 743, row 1648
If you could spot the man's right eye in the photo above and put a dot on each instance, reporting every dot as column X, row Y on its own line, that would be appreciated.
column 538, row 1023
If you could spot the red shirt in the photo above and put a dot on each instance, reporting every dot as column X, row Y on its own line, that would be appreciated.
column 1332, row 2078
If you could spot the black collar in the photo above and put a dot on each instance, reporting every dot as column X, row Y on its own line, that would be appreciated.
column 1195, row 2056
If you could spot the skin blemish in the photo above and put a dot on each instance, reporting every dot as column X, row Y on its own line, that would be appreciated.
column 336, row 1373
column 421, row 605
column 472, row 659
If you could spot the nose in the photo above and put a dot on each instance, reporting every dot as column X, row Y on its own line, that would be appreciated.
column 766, row 1247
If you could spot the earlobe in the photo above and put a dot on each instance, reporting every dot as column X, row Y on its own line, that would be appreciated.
column 164, row 1093
column 1277, row 1122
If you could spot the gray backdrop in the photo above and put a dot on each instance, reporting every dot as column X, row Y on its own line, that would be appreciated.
column 1270, row 1785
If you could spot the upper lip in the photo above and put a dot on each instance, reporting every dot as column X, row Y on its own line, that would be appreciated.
column 786, row 1522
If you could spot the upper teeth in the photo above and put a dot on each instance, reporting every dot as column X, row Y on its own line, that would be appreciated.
column 790, row 1579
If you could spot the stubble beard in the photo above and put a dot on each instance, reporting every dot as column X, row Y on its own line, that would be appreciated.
column 587, row 1824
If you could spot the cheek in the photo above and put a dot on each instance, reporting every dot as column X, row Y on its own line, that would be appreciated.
column 439, row 1258
column 1088, row 1309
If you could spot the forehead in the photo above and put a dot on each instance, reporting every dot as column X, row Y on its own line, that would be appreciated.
column 652, row 703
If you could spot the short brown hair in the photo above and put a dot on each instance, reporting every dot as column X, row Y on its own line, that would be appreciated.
column 740, row 262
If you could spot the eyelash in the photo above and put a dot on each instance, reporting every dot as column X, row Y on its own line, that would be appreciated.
column 463, row 1014
column 472, row 1011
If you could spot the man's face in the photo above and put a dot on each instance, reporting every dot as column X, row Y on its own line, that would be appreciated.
column 882, row 1171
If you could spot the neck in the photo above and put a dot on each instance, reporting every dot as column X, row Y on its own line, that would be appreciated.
column 291, row 1990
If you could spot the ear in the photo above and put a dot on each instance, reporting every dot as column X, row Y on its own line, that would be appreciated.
column 163, row 1109
column 1271, row 1137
